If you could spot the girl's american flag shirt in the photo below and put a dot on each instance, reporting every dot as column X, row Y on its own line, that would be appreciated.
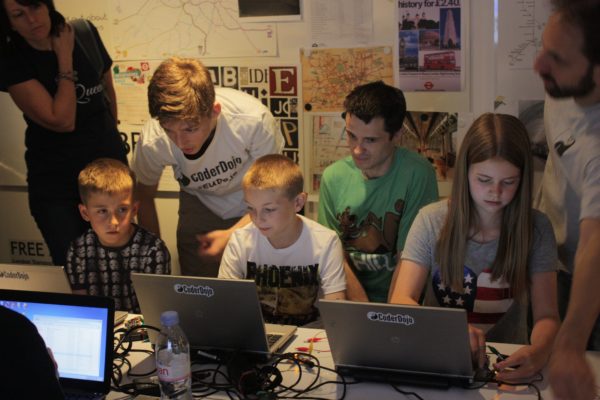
column 485, row 300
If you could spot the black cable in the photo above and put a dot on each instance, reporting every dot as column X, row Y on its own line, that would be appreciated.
column 406, row 393
column 122, row 347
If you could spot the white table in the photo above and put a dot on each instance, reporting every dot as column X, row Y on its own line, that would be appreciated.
column 371, row 390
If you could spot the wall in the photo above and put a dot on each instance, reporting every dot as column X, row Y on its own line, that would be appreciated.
column 477, row 97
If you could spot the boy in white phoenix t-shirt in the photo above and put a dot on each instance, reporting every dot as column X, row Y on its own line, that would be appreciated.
column 293, row 260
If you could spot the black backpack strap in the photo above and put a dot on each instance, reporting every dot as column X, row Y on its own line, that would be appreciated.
column 87, row 43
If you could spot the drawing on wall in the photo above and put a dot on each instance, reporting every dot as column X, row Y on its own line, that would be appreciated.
column 189, row 29
column 429, row 46
column 328, row 75
column 328, row 145
column 433, row 135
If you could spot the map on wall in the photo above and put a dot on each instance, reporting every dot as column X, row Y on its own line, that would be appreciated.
column 328, row 75
column 520, row 27
column 186, row 28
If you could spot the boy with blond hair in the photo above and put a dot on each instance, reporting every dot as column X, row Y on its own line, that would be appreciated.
column 210, row 136
column 293, row 260
column 101, row 260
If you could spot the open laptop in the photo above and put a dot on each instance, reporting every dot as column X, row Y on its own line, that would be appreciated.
column 399, row 343
column 78, row 329
column 214, row 314
column 41, row 278
column 37, row 278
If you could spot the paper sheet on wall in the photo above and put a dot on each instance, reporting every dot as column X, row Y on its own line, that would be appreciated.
column 131, row 80
column 328, row 145
column 341, row 22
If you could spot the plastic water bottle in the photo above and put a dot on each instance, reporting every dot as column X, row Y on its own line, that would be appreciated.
column 173, row 359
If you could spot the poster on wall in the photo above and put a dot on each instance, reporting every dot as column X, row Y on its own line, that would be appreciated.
column 328, row 145
column 131, row 86
column 433, row 135
column 430, row 45
column 328, row 75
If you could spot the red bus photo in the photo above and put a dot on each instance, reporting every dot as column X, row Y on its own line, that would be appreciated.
column 445, row 60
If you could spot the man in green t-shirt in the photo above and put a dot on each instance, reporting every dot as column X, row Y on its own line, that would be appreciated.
column 371, row 197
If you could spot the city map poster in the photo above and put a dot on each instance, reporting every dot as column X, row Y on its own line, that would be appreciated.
column 430, row 45
column 328, row 75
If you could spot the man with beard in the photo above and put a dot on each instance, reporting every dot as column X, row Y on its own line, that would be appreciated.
column 569, row 65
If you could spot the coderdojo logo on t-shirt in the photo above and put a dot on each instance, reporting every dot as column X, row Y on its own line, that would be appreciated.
column 391, row 318
column 194, row 290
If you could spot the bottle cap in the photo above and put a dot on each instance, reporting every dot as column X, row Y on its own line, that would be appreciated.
column 169, row 318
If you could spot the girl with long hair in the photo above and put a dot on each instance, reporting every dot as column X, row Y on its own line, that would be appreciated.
column 486, row 250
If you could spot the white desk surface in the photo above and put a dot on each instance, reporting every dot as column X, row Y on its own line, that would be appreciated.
column 377, row 391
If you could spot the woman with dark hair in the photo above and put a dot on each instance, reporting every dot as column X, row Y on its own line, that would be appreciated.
column 69, row 121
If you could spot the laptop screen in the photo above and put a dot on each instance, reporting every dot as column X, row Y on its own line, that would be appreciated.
column 78, row 330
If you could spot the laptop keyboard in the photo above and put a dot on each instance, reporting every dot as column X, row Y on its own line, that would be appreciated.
column 272, row 338
column 84, row 396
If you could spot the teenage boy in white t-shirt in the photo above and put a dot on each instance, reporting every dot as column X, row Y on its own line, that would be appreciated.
column 210, row 138
column 293, row 260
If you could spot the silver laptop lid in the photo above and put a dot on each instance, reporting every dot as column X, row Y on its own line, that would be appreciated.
column 214, row 313
column 398, row 338
column 38, row 278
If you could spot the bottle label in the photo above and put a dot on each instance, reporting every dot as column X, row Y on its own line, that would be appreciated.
column 172, row 367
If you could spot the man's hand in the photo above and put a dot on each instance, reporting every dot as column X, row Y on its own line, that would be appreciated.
column 212, row 244
column 523, row 363
column 571, row 377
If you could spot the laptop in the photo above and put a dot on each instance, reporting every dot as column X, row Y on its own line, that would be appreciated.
column 399, row 343
column 38, row 278
column 79, row 331
column 214, row 314
column 41, row 278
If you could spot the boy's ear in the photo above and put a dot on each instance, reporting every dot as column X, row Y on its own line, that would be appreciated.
column 84, row 212
column 300, row 201
column 135, row 207
column 216, row 109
